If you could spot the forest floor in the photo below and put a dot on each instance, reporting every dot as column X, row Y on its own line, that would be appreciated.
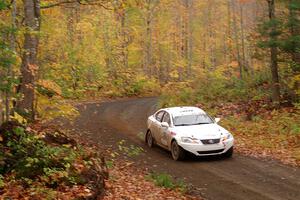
column 131, row 182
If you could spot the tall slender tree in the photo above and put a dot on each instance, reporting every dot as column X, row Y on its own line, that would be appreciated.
column 274, row 51
column 294, row 25
column 29, row 60
column 13, row 49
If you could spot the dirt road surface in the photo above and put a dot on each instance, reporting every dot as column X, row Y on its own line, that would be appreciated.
column 240, row 177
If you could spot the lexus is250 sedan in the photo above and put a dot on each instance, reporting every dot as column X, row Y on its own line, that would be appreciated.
column 188, row 129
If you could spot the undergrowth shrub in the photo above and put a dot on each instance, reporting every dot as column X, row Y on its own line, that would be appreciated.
column 216, row 89
column 142, row 86
column 29, row 158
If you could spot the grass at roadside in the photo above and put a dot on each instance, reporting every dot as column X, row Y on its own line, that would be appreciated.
column 166, row 181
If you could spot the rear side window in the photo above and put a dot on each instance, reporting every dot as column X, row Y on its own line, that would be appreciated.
column 167, row 118
column 159, row 116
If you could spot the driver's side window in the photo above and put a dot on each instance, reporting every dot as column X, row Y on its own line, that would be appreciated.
column 167, row 119
column 159, row 116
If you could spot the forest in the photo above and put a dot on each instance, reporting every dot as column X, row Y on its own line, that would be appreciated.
column 131, row 48
column 238, row 59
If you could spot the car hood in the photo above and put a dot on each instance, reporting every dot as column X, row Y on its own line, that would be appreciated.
column 203, row 131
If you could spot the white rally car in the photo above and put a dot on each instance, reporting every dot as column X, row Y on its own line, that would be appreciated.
column 188, row 129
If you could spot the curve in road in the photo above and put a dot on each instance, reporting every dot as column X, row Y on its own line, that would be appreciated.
column 238, row 178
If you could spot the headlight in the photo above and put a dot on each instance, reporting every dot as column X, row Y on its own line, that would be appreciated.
column 226, row 136
column 189, row 140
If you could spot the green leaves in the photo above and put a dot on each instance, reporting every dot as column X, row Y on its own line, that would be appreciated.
column 3, row 4
column 294, row 5
column 1, row 181
column 30, row 158
column 166, row 181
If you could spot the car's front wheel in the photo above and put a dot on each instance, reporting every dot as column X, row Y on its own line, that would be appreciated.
column 149, row 139
column 228, row 153
column 177, row 151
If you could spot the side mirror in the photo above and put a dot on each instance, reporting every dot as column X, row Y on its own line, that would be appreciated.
column 165, row 124
column 217, row 119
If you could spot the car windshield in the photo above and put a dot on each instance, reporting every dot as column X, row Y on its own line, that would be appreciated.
column 189, row 120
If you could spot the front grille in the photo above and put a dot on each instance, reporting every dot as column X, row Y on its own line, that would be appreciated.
column 211, row 152
column 211, row 141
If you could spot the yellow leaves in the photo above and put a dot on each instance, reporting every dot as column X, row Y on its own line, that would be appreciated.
column 49, row 109
column 50, row 85
column 84, row 26
column 19, row 118
column 294, row 83
column 174, row 74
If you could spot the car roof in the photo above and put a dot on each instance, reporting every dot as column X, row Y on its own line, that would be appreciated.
column 184, row 110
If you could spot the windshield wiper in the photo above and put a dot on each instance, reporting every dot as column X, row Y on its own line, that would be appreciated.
column 192, row 124
column 201, row 123
column 183, row 124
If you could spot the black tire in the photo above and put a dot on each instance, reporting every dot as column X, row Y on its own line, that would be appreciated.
column 228, row 153
column 149, row 139
column 178, row 153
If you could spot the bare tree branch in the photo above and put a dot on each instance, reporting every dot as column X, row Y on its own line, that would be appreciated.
column 86, row 2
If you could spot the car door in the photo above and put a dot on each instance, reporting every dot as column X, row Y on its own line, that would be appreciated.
column 163, row 131
column 157, row 125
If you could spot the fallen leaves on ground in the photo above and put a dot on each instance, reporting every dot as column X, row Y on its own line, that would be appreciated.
column 127, row 182
column 261, row 131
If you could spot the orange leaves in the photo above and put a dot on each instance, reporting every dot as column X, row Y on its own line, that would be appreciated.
column 245, row 1
column 33, row 69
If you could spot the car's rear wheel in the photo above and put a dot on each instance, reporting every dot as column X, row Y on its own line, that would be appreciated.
column 177, row 151
column 228, row 154
column 149, row 139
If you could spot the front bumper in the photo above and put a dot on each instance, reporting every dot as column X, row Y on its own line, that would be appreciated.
column 208, row 149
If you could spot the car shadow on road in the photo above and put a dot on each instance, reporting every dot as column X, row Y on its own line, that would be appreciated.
column 191, row 158
column 212, row 158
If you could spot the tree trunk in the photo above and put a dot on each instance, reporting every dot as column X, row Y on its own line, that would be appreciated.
column 9, row 70
column 236, row 38
column 295, row 29
column 29, row 59
column 274, row 54
column 189, row 50
column 148, row 50
column 124, row 42
column 211, row 33
column 228, row 34
column 244, row 61
column 1, row 109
